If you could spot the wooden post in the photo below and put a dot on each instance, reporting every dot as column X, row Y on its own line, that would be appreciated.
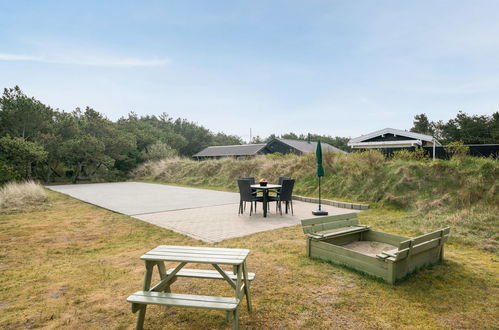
column 235, row 321
column 441, row 245
column 391, row 275
column 147, row 286
column 246, row 287
column 308, row 246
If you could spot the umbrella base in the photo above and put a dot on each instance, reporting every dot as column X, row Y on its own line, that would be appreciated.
column 319, row 212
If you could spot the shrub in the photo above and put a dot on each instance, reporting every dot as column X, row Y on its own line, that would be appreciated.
column 18, row 197
column 457, row 149
column 404, row 154
column 8, row 173
column 159, row 151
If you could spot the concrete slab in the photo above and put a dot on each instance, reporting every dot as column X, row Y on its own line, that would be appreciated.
column 133, row 198
column 203, row 214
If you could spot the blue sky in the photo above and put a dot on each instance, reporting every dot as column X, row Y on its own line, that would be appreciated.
column 342, row 68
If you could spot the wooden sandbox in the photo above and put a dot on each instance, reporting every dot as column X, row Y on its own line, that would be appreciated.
column 341, row 240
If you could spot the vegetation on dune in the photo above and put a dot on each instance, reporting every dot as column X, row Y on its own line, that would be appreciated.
column 38, row 142
column 461, row 192
column 21, row 197
column 87, row 261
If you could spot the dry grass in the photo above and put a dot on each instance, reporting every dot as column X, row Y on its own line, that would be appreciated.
column 73, row 265
column 24, row 196
column 461, row 193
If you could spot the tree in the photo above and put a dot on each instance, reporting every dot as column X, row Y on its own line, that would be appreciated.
column 197, row 136
column 468, row 129
column 422, row 124
column 222, row 139
column 23, row 117
column 337, row 141
column 18, row 156
column 494, row 128
column 95, row 144
column 474, row 129
column 291, row 136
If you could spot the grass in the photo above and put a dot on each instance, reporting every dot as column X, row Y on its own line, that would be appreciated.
column 23, row 196
column 461, row 193
column 73, row 265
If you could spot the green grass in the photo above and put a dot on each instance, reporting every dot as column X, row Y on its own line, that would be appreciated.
column 72, row 265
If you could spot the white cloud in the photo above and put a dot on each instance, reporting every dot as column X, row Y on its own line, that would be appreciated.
column 89, row 60
column 13, row 57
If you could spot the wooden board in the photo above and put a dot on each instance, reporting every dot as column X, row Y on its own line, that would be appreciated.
column 196, row 255
column 207, row 274
column 183, row 300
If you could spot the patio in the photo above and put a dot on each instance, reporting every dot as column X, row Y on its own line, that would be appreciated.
column 207, row 215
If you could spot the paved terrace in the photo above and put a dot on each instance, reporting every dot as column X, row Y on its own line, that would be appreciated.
column 207, row 215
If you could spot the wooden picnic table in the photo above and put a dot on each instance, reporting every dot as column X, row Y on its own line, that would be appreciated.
column 265, row 190
column 160, row 294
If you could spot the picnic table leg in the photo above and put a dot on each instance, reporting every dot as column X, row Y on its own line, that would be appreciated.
column 235, row 321
column 246, row 287
column 162, row 275
column 147, row 286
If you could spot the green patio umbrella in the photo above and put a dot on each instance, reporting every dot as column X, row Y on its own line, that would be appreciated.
column 320, row 173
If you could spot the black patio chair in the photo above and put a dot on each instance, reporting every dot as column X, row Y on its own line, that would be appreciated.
column 281, row 178
column 284, row 195
column 279, row 182
column 250, row 178
column 246, row 195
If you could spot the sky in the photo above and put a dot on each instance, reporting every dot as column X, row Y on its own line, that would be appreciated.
column 339, row 68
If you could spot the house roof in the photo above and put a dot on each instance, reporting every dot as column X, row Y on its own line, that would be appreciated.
column 305, row 146
column 397, row 132
column 234, row 150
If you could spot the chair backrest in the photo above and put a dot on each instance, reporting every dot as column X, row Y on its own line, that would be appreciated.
column 314, row 225
column 251, row 179
column 422, row 243
column 244, row 190
column 281, row 178
column 287, row 189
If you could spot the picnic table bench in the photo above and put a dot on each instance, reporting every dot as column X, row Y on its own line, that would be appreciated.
column 160, row 294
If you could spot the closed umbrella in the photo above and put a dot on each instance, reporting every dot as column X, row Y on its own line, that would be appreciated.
column 320, row 173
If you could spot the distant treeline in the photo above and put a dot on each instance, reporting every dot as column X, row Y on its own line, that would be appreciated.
column 39, row 142
column 467, row 129
column 474, row 129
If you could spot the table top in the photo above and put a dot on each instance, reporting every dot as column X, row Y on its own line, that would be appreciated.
column 268, row 186
column 203, row 255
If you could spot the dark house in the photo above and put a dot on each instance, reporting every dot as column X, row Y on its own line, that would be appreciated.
column 283, row 146
column 286, row 146
column 389, row 140
column 392, row 138
column 238, row 151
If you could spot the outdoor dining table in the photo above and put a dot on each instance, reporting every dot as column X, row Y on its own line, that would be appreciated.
column 265, row 190
column 238, row 278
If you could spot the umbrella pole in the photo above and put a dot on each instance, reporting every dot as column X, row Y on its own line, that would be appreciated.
column 319, row 211
column 319, row 193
